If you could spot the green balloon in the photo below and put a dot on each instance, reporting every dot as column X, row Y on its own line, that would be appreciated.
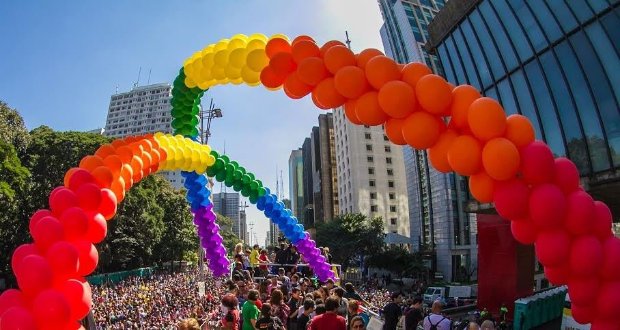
column 241, row 169
column 228, row 183
column 230, row 170
column 259, row 182
column 193, row 121
column 215, row 154
column 252, row 177
column 246, row 179
column 262, row 191
column 246, row 192
column 235, row 164
column 254, row 185
column 225, row 159
column 218, row 165
column 177, row 123
column 237, row 186
column 253, row 199
column 211, row 172
column 221, row 176
column 237, row 175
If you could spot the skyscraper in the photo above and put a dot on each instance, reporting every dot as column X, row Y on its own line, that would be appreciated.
column 143, row 110
column 295, row 180
column 243, row 227
column 324, row 170
column 227, row 204
column 439, row 226
column 308, row 201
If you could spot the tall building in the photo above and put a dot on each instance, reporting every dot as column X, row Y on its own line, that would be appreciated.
column 371, row 176
column 227, row 204
column 307, row 185
column 243, row 227
column 295, row 180
column 324, row 177
column 555, row 62
column 143, row 110
column 439, row 226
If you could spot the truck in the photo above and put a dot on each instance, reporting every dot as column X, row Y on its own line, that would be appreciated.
column 450, row 295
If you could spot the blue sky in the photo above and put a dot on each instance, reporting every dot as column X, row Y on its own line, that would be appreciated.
column 61, row 60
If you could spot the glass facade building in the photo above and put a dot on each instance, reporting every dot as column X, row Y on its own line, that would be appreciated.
column 556, row 62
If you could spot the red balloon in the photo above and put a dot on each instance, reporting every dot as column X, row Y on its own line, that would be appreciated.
column 611, row 254
column 108, row 204
column 303, row 49
column 78, row 296
column 524, row 231
column 580, row 207
column 295, row 88
column 62, row 199
column 608, row 301
column 566, row 175
column 301, row 38
column 327, row 95
column 601, row 226
column 582, row 313
column 33, row 274
column 583, row 291
column 312, row 71
column 48, row 231
column 368, row 110
column 605, row 324
column 586, row 256
column 37, row 216
column 394, row 131
column 547, row 206
column 537, row 163
column 63, row 258
column 97, row 228
column 552, row 247
column 269, row 78
column 351, row 82
column 75, row 223
column 80, row 177
column 349, row 111
column 89, row 196
column 17, row 318
column 20, row 253
column 51, row 309
column 89, row 257
column 11, row 298
column 276, row 46
column 511, row 199
column 557, row 275
column 283, row 64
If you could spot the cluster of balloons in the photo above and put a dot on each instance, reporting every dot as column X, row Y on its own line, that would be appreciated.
column 235, row 176
column 53, row 293
column 184, row 154
column 185, row 107
column 294, row 232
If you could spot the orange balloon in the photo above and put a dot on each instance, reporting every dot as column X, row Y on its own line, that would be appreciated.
column 146, row 144
column 136, row 164
column 127, row 175
column 366, row 55
column 462, row 97
column 519, row 130
column 434, row 94
column 394, row 131
column 303, row 49
column 105, row 150
column 91, row 162
column 317, row 103
column 451, row 85
column 380, row 70
column 421, row 130
column 326, row 94
column 103, row 176
column 68, row 176
column 270, row 78
column 312, row 71
column 351, row 82
column 486, row 119
column 295, row 88
column 125, row 153
column 328, row 45
column 136, row 148
column 118, row 188
column 368, row 110
column 464, row 155
column 283, row 64
column 277, row 45
column 412, row 72
column 302, row 38
column 500, row 158
column 114, row 163
column 156, row 156
column 118, row 143
column 397, row 99
column 338, row 57
column 481, row 187
column 438, row 153
column 349, row 112
column 146, row 162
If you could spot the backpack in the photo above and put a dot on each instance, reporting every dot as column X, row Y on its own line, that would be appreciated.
column 434, row 326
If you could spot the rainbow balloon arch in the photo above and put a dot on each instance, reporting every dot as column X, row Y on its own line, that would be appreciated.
column 461, row 130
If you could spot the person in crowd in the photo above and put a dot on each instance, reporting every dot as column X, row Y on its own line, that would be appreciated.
column 267, row 321
column 357, row 323
column 414, row 315
column 329, row 320
column 295, row 281
column 293, row 305
column 263, row 289
column 254, row 257
column 328, row 256
column 353, row 310
column 343, row 302
column 189, row 324
column 435, row 320
column 351, row 294
column 392, row 312
column 230, row 310
column 250, row 311
column 238, row 270
column 273, row 284
column 487, row 325
column 323, row 293
column 282, row 255
column 330, row 284
column 263, row 260
column 285, row 280
column 304, row 319
column 238, row 250
column 293, row 258
column 279, row 308
column 473, row 326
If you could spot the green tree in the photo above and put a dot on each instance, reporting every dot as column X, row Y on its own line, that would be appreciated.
column 230, row 239
column 12, row 128
column 397, row 260
column 350, row 237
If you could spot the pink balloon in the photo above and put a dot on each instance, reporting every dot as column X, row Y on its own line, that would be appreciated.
column 97, row 227
column 89, row 196
column 566, row 175
column 33, row 274
column 579, row 211
column 547, row 206
column 79, row 298
column 601, row 226
column 524, row 231
column 586, row 256
column 511, row 199
column 47, row 232
column 537, row 163
column 583, row 291
column 62, row 200
column 609, row 301
column 602, row 324
column 51, row 309
column 610, row 270
column 552, row 247
column 17, row 318
column 89, row 257
column 75, row 223
column 36, row 217
column 558, row 275
column 582, row 313
column 20, row 253
column 79, row 178
column 11, row 298
column 63, row 257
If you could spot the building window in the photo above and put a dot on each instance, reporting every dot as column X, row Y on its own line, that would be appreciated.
column 370, row 159
column 393, row 221
column 392, row 196
column 371, row 170
column 385, row 138
column 367, row 136
column 388, row 160
column 373, row 208
column 372, row 183
column 390, row 172
column 366, row 126
column 368, row 147
column 391, row 184
column 392, row 208
column 373, row 195
column 388, row 149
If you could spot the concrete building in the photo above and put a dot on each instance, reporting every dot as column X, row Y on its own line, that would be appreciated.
column 143, row 110
column 243, row 227
column 439, row 226
column 227, row 204
column 371, row 176
column 295, row 180
column 98, row 131
column 324, row 177
column 308, row 200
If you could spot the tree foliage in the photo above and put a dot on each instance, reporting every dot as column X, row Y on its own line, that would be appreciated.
column 397, row 260
column 230, row 239
column 12, row 128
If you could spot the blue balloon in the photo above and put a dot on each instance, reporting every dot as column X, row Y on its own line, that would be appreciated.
column 279, row 206
column 276, row 213
column 299, row 228
column 268, row 212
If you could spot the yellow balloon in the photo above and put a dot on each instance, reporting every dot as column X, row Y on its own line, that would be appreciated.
column 257, row 60
column 279, row 36
column 237, row 81
column 250, row 76
column 258, row 36
column 236, row 43
column 211, row 160
column 221, row 45
column 218, row 72
column 221, row 57
column 240, row 36
column 238, row 57
column 208, row 61
column 232, row 72
column 254, row 84
column 255, row 44
column 189, row 82
column 206, row 84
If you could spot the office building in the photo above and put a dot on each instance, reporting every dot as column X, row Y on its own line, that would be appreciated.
column 243, row 227
column 439, row 226
column 371, row 177
column 307, row 185
column 227, row 204
column 295, row 180
column 143, row 110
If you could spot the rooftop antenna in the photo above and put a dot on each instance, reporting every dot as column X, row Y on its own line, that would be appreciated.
column 348, row 41
column 137, row 83
column 116, row 89
column 148, row 82
column 277, row 184
column 281, row 185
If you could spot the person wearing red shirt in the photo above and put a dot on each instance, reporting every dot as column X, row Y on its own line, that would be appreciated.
column 329, row 320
